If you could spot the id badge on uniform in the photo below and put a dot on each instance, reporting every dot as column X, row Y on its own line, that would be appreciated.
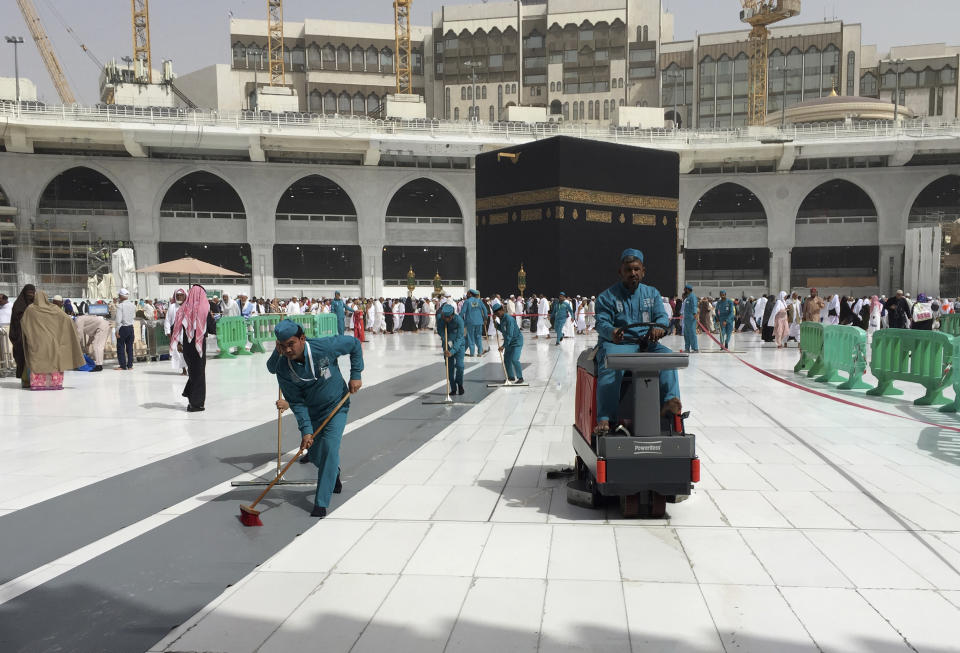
column 326, row 373
column 646, row 316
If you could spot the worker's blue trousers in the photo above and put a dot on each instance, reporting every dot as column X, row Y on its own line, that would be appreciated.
column 325, row 454
column 455, row 369
column 341, row 325
column 475, row 338
column 511, row 360
column 690, row 335
column 609, row 381
column 725, row 332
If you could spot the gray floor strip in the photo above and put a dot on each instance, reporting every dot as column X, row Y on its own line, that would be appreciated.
column 129, row 598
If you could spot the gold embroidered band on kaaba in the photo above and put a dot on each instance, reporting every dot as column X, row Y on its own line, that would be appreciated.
column 578, row 196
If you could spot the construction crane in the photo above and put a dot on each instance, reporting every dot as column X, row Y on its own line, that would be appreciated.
column 275, row 41
column 401, row 12
column 46, row 51
column 760, row 14
column 141, row 40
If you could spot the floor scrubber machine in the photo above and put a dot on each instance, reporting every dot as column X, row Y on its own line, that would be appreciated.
column 644, row 461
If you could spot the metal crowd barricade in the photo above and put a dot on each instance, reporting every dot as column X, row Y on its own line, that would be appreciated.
column 158, row 342
column 811, row 348
column 261, row 331
column 7, row 364
column 326, row 325
column 309, row 324
column 232, row 334
column 844, row 350
column 950, row 324
column 929, row 358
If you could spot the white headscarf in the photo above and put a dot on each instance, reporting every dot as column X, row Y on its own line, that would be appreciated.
column 781, row 305
column 834, row 305
column 759, row 308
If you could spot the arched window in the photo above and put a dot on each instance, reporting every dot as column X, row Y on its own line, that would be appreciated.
column 329, row 102
column 576, row 111
column 463, row 92
column 356, row 58
column 239, row 55
column 315, row 103
column 812, row 72
column 469, row 92
column 484, row 89
column 456, row 113
column 851, row 71
column 868, row 85
column 329, row 57
column 590, row 108
column 553, row 87
column 298, row 59
column 621, row 102
column 559, row 86
column 646, row 33
column 373, row 103
column 372, row 60
column 619, row 82
column 343, row 104
column 386, row 60
column 359, row 104
column 254, row 56
column 343, row 58
column 566, row 111
column 314, row 56
column 639, row 32
column 583, row 114
column 491, row 113
column 606, row 109
column 446, row 103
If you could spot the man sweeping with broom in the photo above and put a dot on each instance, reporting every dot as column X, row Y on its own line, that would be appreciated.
column 311, row 382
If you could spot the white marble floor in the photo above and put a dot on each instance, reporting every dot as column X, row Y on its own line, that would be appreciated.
column 816, row 526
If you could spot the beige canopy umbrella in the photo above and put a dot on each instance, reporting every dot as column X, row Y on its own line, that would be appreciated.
column 190, row 266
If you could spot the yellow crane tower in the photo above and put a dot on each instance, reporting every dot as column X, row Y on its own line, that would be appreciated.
column 275, row 41
column 401, row 12
column 141, row 38
column 46, row 51
column 760, row 14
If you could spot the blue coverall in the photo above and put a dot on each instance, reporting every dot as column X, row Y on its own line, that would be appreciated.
column 616, row 308
column 690, row 308
column 726, row 313
column 313, row 393
column 474, row 314
column 560, row 317
column 337, row 308
column 512, row 346
column 453, row 332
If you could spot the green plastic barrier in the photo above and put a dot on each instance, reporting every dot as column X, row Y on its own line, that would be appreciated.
column 326, row 325
column 929, row 358
column 232, row 333
column 811, row 348
column 261, row 331
column 844, row 350
column 950, row 324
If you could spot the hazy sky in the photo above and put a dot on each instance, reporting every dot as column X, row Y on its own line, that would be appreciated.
column 195, row 33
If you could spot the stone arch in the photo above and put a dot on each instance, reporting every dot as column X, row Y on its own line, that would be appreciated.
column 83, row 187
column 195, row 188
column 837, row 197
column 315, row 194
column 424, row 196
column 727, row 194
column 91, row 165
column 931, row 203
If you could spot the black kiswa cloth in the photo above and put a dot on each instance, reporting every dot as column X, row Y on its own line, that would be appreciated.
column 565, row 208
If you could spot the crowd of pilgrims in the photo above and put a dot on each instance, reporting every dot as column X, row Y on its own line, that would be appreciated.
column 778, row 317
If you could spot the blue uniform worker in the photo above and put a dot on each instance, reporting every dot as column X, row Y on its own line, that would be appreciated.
column 312, row 385
column 690, row 308
column 474, row 315
column 512, row 342
column 337, row 307
column 617, row 307
column 560, row 316
column 450, row 329
column 726, row 314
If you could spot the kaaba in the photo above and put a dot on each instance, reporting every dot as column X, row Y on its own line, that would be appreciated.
column 563, row 209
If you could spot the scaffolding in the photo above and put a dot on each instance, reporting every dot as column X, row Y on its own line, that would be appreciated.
column 275, row 41
column 404, row 64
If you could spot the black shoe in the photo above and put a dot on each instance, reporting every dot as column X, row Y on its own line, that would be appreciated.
column 319, row 512
column 460, row 389
column 98, row 368
column 194, row 409
column 304, row 459
column 338, row 486
column 520, row 380
column 512, row 380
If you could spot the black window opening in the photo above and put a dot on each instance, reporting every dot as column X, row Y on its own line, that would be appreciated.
column 202, row 195
column 837, row 198
column 728, row 205
column 424, row 201
column 736, row 266
column 302, row 265
column 235, row 257
column 853, row 266
column 449, row 262
column 938, row 203
column 82, row 191
column 316, row 198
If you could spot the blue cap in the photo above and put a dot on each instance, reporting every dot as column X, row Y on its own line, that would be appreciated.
column 563, row 294
column 336, row 294
column 496, row 306
column 473, row 292
column 447, row 309
column 688, row 287
column 286, row 329
column 630, row 252
column 723, row 292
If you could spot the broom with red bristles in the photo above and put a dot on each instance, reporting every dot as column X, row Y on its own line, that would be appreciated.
column 249, row 516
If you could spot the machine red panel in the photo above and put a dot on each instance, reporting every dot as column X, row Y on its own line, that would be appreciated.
column 586, row 415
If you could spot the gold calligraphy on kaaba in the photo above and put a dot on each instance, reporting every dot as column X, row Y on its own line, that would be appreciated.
column 577, row 196
column 599, row 216
column 499, row 218
column 560, row 213
column 643, row 220
column 531, row 215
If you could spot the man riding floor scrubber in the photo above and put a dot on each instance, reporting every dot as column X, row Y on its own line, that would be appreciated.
column 629, row 434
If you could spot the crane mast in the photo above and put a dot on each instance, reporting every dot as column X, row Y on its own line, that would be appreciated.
column 760, row 14
column 46, row 51
column 401, row 10
column 141, row 39
column 275, row 41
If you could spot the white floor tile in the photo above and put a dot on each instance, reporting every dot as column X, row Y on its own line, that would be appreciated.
column 449, row 550
column 414, row 502
column 806, row 510
column 416, row 617
column 791, row 559
column 864, row 561
column 652, row 554
column 516, row 551
column 467, row 503
column 935, row 566
column 738, row 476
column 669, row 618
column 367, row 502
column 747, row 508
column 755, row 620
column 721, row 556
column 384, row 549
column 500, row 614
column 319, row 548
column 927, row 620
column 568, row 547
column 584, row 616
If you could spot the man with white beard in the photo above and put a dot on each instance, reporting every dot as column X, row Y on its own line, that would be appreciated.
column 230, row 307
column 293, row 306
